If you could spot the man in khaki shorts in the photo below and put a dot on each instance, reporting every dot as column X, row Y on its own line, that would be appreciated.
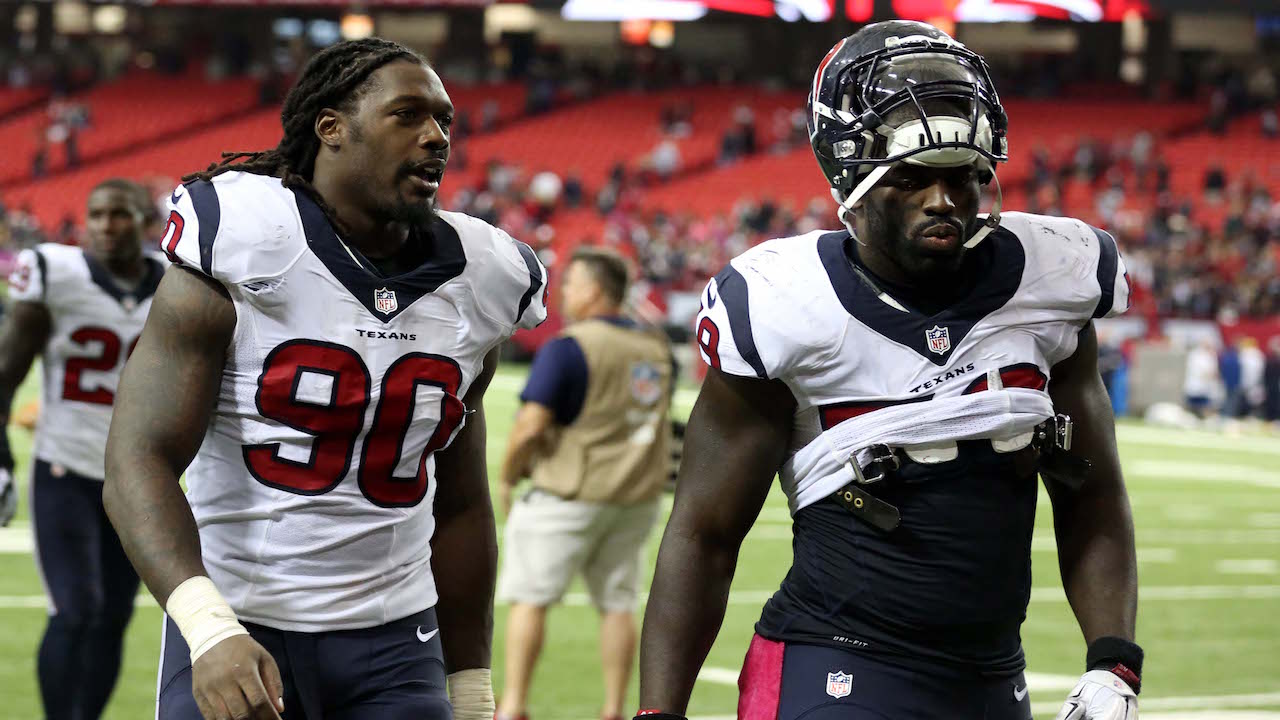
column 593, row 436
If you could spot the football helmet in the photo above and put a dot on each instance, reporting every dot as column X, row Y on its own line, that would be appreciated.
column 902, row 91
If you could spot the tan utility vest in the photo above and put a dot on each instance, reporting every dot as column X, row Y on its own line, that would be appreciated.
column 618, row 448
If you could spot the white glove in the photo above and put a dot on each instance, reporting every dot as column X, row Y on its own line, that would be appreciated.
column 1100, row 695
column 8, row 496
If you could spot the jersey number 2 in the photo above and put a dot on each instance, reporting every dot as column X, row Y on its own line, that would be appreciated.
column 336, row 422
column 104, row 361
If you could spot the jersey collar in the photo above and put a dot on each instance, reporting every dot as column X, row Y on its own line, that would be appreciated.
column 130, row 299
column 911, row 328
column 384, row 297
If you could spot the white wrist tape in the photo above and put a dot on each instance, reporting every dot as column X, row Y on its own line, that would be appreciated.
column 203, row 617
column 471, row 694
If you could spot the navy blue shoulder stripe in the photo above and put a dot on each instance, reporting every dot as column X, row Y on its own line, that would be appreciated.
column 43, row 266
column 535, row 278
column 1108, row 262
column 204, row 197
column 732, row 289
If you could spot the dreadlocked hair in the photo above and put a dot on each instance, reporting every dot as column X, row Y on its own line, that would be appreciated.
column 334, row 78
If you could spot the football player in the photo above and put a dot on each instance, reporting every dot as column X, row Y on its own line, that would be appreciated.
column 908, row 378
column 321, row 348
column 81, row 310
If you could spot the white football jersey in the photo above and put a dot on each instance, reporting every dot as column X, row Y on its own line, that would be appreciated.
column 314, row 486
column 95, row 324
column 798, row 310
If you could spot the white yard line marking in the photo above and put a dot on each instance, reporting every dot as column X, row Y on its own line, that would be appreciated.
column 1157, row 555
column 1139, row 435
column 718, row 676
column 1247, row 566
column 1265, row 520
column 1209, row 473
column 16, row 540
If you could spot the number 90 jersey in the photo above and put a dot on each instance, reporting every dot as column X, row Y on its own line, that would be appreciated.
column 314, row 486
column 93, row 326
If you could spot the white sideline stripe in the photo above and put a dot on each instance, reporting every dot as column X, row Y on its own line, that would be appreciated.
column 1247, row 566
column 1214, row 473
column 757, row 597
column 1162, row 437
column 1265, row 520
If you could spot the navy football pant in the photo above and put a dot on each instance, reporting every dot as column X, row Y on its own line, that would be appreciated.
column 91, row 588
column 381, row 673
column 794, row 681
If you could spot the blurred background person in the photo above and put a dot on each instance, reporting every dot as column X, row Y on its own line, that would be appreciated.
column 593, row 436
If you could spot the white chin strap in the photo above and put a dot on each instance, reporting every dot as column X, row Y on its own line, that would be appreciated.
column 873, row 177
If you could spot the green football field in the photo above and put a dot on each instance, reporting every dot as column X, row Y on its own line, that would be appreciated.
column 1208, row 519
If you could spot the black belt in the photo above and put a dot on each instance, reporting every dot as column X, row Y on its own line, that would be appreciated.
column 1051, row 439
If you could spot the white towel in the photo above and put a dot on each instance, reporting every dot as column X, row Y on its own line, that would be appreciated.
column 823, row 466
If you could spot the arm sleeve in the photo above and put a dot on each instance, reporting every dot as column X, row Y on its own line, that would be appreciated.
column 29, row 277
column 723, row 330
column 1113, row 279
column 195, row 215
column 558, row 379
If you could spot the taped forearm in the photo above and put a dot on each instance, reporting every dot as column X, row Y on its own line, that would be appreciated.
column 202, row 615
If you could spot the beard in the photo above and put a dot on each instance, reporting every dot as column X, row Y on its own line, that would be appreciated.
column 418, row 213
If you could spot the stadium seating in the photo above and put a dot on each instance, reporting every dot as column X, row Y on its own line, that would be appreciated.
column 15, row 99
column 589, row 139
column 132, row 111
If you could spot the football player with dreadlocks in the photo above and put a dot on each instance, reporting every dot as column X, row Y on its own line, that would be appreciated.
column 907, row 378
column 320, row 347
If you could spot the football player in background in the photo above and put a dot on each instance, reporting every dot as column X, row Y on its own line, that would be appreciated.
column 908, row 378
column 321, row 348
column 81, row 310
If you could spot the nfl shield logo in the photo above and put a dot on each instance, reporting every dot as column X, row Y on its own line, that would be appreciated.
column 384, row 301
column 939, row 340
column 646, row 383
column 839, row 684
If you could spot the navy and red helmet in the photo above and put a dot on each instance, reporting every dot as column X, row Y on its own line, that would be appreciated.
column 902, row 91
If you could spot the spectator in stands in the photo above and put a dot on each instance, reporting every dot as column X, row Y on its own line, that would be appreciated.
column 572, row 189
column 40, row 161
column 1253, row 362
column 1215, row 181
column 1271, row 381
column 1229, row 374
column 71, row 146
column 1201, row 385
column 665, row 159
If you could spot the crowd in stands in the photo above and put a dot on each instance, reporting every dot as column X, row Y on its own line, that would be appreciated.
column 1209, row 253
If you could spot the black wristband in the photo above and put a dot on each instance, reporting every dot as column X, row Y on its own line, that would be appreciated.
column 1119, row 656
column 651, row 715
